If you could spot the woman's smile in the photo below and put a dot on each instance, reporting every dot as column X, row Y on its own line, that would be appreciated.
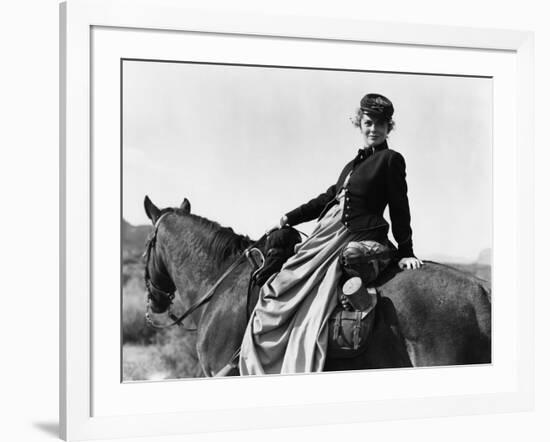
column 374, row 131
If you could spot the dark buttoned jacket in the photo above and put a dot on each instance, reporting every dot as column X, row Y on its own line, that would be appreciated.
column 377, row 180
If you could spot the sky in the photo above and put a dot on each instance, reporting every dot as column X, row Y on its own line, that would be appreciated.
column 246, row 144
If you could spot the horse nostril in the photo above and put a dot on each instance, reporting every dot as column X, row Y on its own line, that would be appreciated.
column 157, row 309
column 159, row 304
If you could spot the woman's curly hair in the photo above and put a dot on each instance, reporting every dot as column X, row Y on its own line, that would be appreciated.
column 356, row 120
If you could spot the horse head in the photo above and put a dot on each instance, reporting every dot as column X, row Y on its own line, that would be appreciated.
column 185, row 252
column 160, row 285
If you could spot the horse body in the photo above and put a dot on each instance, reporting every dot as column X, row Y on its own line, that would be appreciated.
column 443, row 314
column 436, row 315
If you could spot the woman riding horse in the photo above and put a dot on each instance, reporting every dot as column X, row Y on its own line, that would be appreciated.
column 287, row 332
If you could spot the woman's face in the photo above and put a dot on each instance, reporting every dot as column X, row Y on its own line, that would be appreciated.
column 374, row 131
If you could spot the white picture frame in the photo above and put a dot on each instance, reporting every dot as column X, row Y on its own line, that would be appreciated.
column 79, row 376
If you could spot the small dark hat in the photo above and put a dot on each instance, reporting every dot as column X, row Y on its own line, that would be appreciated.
column 377, row 105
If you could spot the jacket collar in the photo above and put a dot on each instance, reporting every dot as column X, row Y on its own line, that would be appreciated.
column 366, row 152
column 381, row 146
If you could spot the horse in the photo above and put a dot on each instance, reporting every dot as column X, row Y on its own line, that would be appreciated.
column 433, row 316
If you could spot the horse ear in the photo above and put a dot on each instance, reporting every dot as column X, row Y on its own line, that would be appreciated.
column 152, row 211
column 186, row 206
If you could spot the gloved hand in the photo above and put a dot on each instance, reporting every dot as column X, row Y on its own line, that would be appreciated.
column 282, row 222
column 410, row 263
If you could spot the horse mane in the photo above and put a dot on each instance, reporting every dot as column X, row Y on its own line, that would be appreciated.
column 221, row 242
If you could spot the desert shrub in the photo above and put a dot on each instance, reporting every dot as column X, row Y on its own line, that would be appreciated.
column 143, row 362
column 171, row 356
column 134, row 326
column 153, row 354
column 132, row 270
column 177, row 350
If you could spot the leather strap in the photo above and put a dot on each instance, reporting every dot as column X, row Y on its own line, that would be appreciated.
column 208, row 295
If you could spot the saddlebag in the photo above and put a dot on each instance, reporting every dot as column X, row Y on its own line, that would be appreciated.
column 363, row 262
column 349, row 330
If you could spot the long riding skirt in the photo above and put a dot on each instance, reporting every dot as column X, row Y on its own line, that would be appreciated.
column 287, row 331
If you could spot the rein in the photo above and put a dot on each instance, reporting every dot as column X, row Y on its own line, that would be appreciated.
column 247, row 254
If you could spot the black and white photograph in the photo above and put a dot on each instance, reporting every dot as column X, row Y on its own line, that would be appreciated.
column 265, row 221
column 286, row 220
column 178, row 261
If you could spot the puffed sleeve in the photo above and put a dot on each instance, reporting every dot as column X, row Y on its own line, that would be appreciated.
column 312, row 209
column 398, row 202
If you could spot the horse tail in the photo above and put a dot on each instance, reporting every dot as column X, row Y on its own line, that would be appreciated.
column 486, row 288
column 481, row 300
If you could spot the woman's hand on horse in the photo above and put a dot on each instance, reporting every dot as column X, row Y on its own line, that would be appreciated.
column 410, row 263
column 282, row 222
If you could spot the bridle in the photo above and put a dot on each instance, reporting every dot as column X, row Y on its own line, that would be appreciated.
column 168, row 293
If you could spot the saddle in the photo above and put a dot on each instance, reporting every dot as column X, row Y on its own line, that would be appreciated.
column 279, row 246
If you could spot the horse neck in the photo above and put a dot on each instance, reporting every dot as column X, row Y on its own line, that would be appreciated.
column 197, row 252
